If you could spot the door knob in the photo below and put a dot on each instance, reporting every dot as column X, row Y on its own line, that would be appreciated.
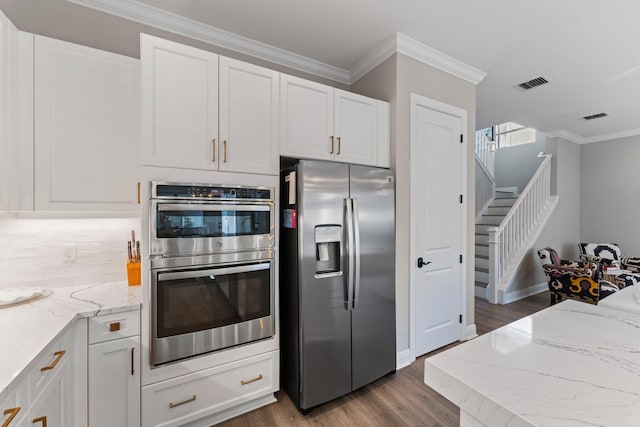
column 421, row 262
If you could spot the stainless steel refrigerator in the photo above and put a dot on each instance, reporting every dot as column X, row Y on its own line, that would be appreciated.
column 337, row 279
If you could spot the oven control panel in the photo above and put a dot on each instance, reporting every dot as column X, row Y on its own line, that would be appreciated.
column 209, row 192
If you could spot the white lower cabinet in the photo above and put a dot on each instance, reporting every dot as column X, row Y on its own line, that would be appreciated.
column 14, row 409
column 210, row 396
column 114, row 370
column 114, row 383
column 50, row 386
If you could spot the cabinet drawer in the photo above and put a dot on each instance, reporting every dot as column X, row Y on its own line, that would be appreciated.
column 47, row 365
column 15, row 404
column 188, row 398
column 114, row 326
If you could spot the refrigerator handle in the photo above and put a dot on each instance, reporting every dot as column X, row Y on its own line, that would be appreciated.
column 356, row 238
column 350, row 253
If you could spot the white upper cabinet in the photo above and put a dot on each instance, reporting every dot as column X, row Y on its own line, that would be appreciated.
column 7, row 30
column 355, row 128
column 306, row 118
column 248, row 118
column 179, row 105
column 86, row 115
column 321, row 122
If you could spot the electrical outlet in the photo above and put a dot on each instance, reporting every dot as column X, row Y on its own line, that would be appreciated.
column 70, row 252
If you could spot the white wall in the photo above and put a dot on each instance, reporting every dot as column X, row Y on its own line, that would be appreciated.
column 516, row 165
column 610, row 200
column 31, row 251
column 562, row 231
column 394, row 80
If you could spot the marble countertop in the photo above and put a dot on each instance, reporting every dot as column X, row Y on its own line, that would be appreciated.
column 572, row 364
column 627, row 299
column 28, row 328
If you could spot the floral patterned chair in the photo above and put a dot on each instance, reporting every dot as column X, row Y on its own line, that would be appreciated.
column 609, row 254
column 573, row 279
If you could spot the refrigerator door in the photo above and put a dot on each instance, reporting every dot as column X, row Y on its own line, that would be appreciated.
column 373, row 324
column 324, row 320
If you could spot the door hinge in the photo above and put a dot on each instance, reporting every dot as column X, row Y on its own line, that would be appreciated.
column 461, row 319
column 461, row 138
column 460, row 258
column 461, row 198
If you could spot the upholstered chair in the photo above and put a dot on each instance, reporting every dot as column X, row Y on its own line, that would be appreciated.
column 609, row 254
column 573, row 279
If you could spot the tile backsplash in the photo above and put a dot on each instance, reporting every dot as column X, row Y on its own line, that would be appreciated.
column 32, row 251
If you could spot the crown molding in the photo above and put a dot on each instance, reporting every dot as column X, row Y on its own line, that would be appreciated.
column 158, row 18
column 430, row 56
column 565, row 134
column 380, row 54
column 420, row 52
column 570, row 136
column 613, row 135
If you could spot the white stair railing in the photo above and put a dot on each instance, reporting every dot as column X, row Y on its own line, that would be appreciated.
column 485, row 150
column 507, row 240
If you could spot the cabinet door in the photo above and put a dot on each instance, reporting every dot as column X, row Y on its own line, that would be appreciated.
column 306, row 119
column 51, row 407
column 179, row 105
column 5, row 175
column 86, row 128
column 355, row 128
column 248, row 118
column 114, row 383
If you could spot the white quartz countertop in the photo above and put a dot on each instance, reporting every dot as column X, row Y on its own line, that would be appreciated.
column 27, row 329
column 627, row 299
column 572, row 364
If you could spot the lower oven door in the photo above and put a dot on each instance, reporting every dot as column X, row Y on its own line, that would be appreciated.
column 210, row 308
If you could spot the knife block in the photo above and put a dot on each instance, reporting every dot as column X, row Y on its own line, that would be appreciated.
column 133, row 273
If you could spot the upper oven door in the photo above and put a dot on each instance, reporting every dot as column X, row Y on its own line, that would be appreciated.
column 197, row 228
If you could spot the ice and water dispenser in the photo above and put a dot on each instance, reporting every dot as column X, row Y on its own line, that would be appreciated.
column 327, row 241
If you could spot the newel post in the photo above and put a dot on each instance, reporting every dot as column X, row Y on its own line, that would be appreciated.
column 494, row 264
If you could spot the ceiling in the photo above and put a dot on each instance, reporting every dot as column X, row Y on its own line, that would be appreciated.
column 589, row 49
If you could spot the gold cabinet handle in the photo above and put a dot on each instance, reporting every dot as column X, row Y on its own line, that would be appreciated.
column 12, row 414
column 339, row 145
column 58, row 355
column 138, row 192
column 252, row 380
column 132, row 352
column 331, row 137
column 114, row 327
column 42, row 420
column 174, row 405
column 213, row 150
column 224, row 143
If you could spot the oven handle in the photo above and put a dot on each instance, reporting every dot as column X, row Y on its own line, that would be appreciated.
column 211, row 207
column 214, row 271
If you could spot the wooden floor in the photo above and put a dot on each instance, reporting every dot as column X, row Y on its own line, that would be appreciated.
column 401, row 399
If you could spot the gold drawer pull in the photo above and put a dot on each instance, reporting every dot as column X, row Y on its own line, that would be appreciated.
column 42, row 420
column 12, row 414
column 252, row 380
column 339, row 145
column 58, row 355
column 114, row 327
column 174, row 405
column 331, row 152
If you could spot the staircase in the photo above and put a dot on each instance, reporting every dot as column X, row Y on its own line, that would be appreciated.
column 492, row 217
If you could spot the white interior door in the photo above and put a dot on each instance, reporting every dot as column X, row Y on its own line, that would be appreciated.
column 437, row 223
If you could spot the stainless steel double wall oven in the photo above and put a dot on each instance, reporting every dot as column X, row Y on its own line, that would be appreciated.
column 212, row 271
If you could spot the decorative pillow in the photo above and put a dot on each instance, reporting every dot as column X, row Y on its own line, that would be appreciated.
column 631, row 264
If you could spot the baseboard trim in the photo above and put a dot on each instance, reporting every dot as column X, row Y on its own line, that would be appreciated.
column 526, row 292
column 471, row 332
column 403, row 359
column 481, row 292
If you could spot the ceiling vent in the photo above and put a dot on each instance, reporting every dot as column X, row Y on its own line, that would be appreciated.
column 595, row 116
column 538, row 81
